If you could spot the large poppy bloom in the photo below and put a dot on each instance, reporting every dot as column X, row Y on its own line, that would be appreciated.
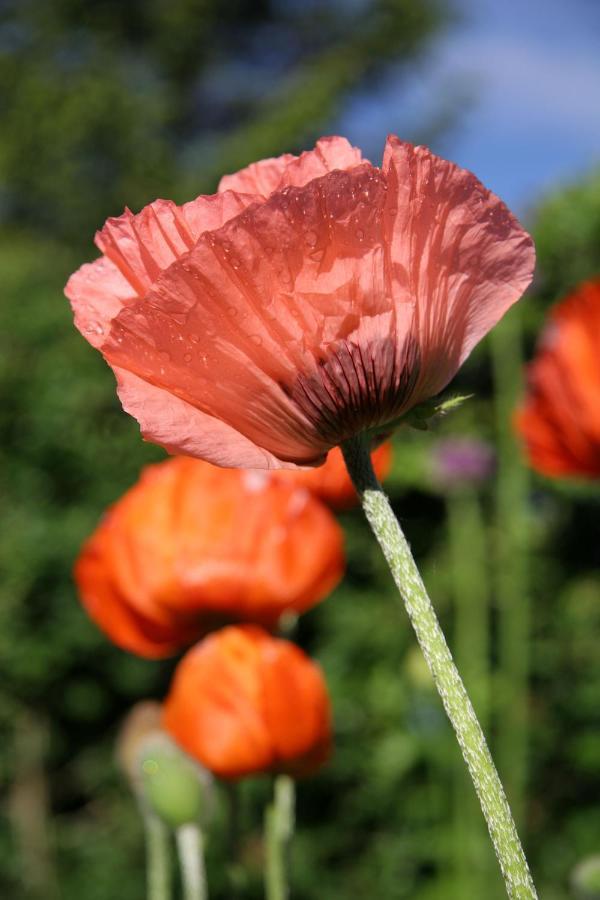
column 312, row 298
column 243, row 702
column 560, row 416
column 191, row 547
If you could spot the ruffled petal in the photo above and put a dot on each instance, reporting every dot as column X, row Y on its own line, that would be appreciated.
column 230, row 326
column 457, row 254
column 296, row 708
column 560, row 418
column 132, row 629
column 97, row 291
column 271, row 175
column 224, row 728
column 144, row 245
column 179, row 427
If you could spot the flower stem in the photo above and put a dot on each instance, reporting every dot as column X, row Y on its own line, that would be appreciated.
column 513, row 545
column 385, row 526
column 279, row 829
column 190, row 849
column 471, row 640
column 158, row 874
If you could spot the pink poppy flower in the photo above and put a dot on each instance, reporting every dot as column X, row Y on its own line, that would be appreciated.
column 312, row 298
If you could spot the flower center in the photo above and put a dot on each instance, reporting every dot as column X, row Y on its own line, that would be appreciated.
column 353, row 388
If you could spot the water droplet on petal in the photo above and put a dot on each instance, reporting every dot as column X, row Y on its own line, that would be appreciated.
column 256, row 339
column 231, row 311
column 360, row 234
column 187, row 357
column 164, row 355
column 311, row 238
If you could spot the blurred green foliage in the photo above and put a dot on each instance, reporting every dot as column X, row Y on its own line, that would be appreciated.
column 108, row 103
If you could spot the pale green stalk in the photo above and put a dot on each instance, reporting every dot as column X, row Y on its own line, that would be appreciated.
column 511, row 575
column 29, row 805
column 518, row 881
column 279, row 830
column 190, row 849
column 471, row 633
column 158, row 870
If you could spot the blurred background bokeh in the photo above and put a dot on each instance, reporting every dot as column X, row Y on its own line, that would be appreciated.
column 106, row 104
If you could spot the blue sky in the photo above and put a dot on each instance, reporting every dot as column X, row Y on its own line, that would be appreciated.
column 525, row 77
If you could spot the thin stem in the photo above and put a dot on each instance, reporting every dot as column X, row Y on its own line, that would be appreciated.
column 405, row 573
column 279, row 830
column 471, row 595
column 471, row 633
column 29, row 805
column 158, row 870
column 511, row 576
column 236, row 874
column 190, row 849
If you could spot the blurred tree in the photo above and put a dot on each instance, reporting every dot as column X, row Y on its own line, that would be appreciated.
column 108, row 103
column 568, row 238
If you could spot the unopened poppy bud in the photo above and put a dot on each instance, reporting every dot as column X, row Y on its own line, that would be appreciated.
column 164, row 779
column 585, row 878
column 142, row 721
column 174, row 787
column 244, row 702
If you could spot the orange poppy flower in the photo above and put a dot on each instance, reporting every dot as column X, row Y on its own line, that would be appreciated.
column 192, row 546
column 560, row 416
column 312, row 298
column 243, row 702
column 331, row 482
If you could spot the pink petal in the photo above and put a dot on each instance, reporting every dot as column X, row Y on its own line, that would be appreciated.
column 144, row 245
column 182, row 429
column 97, row 292
column 271, row 175
column 458, row 255
column 229, row 328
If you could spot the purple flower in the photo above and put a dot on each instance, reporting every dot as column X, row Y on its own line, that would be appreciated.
column 457, row 462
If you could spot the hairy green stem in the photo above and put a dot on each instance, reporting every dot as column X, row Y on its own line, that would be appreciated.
column 279, row 829
column 385, row 526
column 190, row 849
column 158, row 869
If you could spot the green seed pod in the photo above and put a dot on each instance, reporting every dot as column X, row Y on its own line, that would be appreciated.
column 165, row 780
column 173, row 786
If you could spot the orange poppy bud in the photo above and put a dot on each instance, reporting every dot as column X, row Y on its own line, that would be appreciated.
column 191, row 547
column 331, row 481
column 243, row 702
